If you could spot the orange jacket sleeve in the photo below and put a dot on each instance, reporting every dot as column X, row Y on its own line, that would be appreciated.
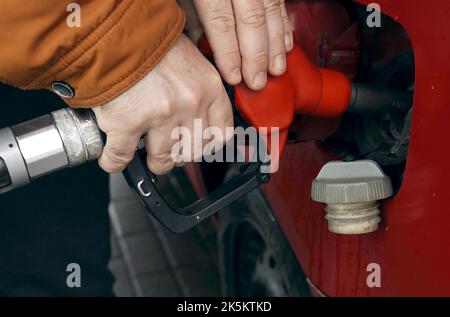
column 117, row 43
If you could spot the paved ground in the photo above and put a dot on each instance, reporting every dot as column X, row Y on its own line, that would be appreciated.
column 147, row 260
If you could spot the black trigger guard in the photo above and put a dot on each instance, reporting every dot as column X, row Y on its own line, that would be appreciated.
column 180, row 220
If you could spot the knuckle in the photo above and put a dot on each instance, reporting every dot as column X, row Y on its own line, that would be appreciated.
column 119, row 158
column 162, row 157
column 272, row 7
column 277, row 44
column 254, row 18
column 222, row 22
column 216, row 83
column 259, row 58
column 191, row 98
column 231, row 54
column 164, row 110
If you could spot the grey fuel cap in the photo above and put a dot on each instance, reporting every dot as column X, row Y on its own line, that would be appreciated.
column 351, row 191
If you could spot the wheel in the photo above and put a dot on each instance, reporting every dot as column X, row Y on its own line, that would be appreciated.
column 255, row 257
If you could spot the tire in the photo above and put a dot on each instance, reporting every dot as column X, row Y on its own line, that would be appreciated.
column 255, row 257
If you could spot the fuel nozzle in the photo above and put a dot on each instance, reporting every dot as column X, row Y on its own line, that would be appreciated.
column 64, row 138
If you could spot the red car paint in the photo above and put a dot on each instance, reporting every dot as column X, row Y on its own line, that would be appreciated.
column 323, row 30
column 411, row 245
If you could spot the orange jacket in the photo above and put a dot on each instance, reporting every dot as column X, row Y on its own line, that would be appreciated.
column 117, row 43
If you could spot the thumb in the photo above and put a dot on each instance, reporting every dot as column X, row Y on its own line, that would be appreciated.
column 118, row 152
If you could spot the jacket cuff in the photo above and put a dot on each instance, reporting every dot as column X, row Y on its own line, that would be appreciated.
column 118, row 53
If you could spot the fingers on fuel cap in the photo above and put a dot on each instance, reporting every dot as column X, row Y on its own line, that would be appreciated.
column 253, row 41
column 218, row 20
column 276, row 33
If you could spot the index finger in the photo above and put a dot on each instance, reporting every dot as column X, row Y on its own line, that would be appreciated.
column 218, row 21
column 253, row 41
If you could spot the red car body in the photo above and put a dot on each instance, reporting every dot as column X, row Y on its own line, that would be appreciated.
column 412, row 244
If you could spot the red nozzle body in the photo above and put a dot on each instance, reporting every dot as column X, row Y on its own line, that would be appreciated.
column 303, row 89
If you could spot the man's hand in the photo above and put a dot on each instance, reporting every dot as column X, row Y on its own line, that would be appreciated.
column 183, row 86
column 248, row 37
